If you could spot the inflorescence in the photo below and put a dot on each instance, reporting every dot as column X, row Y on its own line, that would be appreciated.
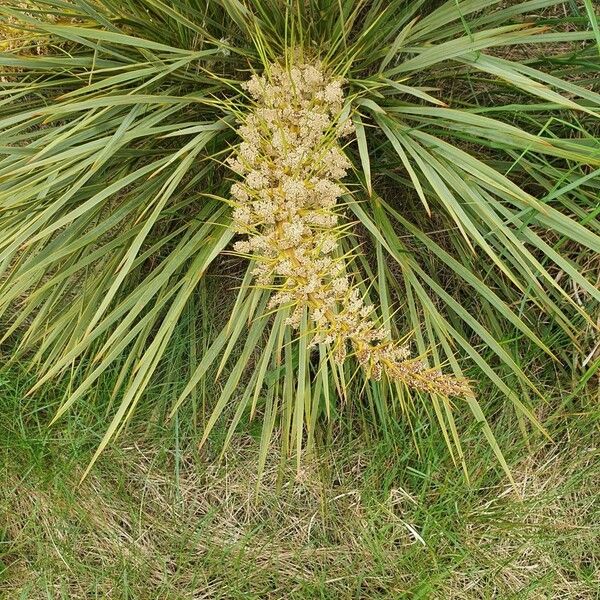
column 291, row 163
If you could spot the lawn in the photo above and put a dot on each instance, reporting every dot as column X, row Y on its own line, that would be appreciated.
column 156, row 518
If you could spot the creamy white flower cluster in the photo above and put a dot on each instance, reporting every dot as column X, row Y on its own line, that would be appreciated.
column 286, row 204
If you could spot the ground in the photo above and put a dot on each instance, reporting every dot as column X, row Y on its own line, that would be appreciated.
column 156, row 518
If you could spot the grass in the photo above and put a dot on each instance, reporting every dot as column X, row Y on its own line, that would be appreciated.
column 473, row 194
column 158, row 519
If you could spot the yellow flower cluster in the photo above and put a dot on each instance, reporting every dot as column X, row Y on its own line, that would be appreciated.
column 286, row 204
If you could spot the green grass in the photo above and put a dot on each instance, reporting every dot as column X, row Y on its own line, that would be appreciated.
column 474, row 197
column 158, row 519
